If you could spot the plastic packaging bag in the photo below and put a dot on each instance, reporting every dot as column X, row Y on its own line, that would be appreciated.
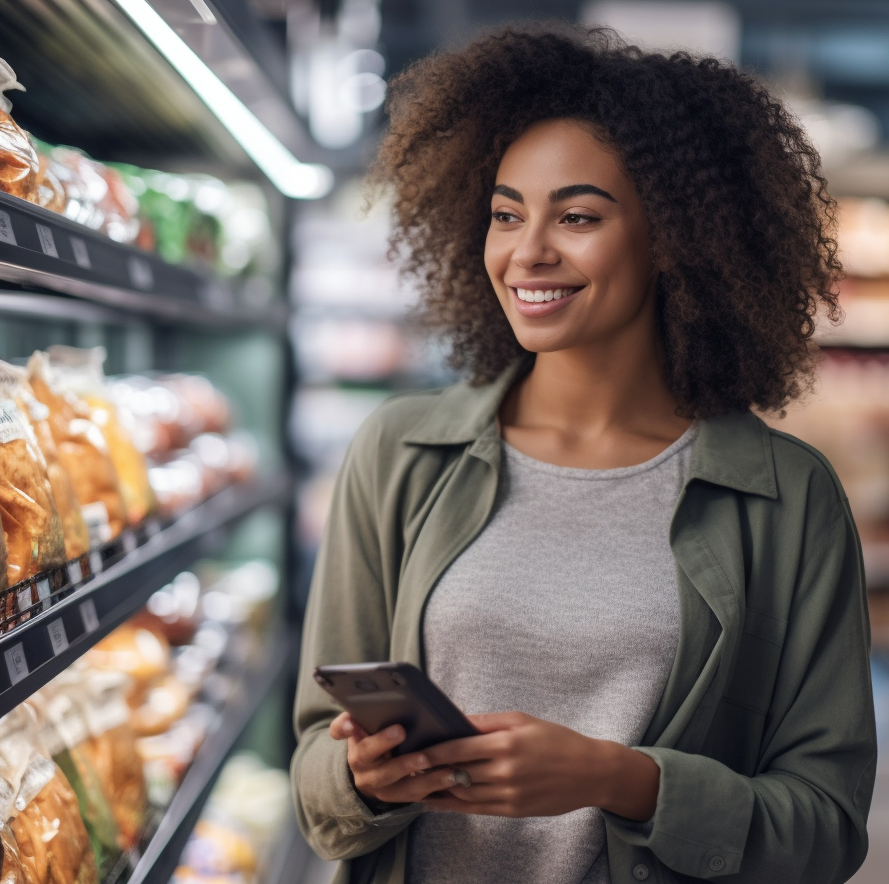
column 11, row 869
column 63, row 731
column 48, row 842
column 82, row 451
column 79, row 372
column 31, row 525
column 19, row 164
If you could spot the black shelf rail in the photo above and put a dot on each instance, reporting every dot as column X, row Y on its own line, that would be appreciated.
column 36, row 651
column 161, row 856
column 42, row 249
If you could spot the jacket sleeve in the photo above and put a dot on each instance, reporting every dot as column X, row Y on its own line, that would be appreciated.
column 347, row 621
column 802, row 817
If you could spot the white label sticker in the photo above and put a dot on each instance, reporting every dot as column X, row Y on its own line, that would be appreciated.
column 6, row 233
column 96, row 562
column 15, row 663
column 57, row 637
column 81, row 255
column 96, row 517
column 141, row 274
column 23, row 596
column 44, row 591
column 47, row 243
column 129, row 542
column 89, row 616
column 75, row 574
column 12, row 426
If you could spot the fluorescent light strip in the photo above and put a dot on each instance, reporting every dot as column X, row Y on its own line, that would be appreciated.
column 283, row 169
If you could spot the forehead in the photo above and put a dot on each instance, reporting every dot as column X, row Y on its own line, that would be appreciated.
column 559, row 152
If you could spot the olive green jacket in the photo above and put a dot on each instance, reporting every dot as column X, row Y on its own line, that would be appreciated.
column 765, row 732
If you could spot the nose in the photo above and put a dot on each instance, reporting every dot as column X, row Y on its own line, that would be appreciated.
column 534, row 247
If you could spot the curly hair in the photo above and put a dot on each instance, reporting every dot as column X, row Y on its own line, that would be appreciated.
column 741, row 223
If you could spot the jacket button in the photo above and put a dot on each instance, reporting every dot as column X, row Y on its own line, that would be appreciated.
column 640, row 872
column 717, row 864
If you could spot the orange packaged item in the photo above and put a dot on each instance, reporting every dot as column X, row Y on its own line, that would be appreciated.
column 82, row 451
column 52, row 843
column 74, row 529
column 8, row 603
column 31, row 526
column 19, row 164
column 11, row 869
column 80, row 373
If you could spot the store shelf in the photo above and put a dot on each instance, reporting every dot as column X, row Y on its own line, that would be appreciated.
column 39, row 649
column 42, row 249
column 161, row 856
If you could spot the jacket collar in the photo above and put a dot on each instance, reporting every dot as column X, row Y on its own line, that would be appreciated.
column 733, row 450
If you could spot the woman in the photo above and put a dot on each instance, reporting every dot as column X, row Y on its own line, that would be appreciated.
column 651, row 604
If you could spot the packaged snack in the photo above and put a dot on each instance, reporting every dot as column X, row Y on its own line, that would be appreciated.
column 64, row 731
column 82, row 451
column 80, row 373
column 111, row 746
column 74, row 529
column 18, row 160
column 8, row 604
column 31, row 525
column 48, row 842
column 48, row 190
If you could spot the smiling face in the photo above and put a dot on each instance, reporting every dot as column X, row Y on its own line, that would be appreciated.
column 567, row 250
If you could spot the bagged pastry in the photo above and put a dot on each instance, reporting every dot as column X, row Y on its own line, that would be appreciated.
column 64, row 731
column 74, row 529
column 31, row 525
column 19, row 164
column 79, row 372
column 82, row 451
column 47, row 843
column 111, row 749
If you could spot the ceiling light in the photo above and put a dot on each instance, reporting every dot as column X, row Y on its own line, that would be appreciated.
column 285, row 171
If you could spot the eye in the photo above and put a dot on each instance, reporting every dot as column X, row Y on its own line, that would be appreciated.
column 578, row 219
column 504, row 217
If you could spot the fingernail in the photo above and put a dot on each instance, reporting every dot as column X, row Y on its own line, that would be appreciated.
column 347, row 727
column 459, row 778
column 394, row 732
column 423, row 762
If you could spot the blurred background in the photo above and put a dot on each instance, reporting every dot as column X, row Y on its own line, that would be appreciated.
column 237, row 132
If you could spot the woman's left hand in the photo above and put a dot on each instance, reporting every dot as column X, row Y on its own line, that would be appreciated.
column 524, row 766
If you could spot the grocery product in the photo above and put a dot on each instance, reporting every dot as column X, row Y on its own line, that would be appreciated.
column 82, row 451
column 74, row 529
column 79, row 372
column 64, row 731
column 46, row 842
column 19, row 164
column 31, row 525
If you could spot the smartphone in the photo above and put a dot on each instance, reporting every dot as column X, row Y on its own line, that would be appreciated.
column 377, row 695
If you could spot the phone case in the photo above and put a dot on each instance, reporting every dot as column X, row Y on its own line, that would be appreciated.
column 377, row 695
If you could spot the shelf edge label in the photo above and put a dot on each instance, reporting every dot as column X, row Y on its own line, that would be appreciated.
column 141, row 274
column 89, row 616
column 47, row 243
column 16, row 664
column 6, row 233
column 44, row 591
column 81, row 253
column 57, row 637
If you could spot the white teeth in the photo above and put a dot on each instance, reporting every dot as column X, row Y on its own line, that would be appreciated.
column 538, row 296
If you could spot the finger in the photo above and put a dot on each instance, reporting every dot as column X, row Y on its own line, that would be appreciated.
column 373, row 748
column 344, row 726
column 456, row 753
column 488, row 722
column 391, row 771
column 412, row 789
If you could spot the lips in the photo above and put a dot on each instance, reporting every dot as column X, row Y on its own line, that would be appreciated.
column 542, row 299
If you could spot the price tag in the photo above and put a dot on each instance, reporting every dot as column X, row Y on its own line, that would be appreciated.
column 15, row 663
column 89, row 616
column 57, row 637
column 129, row 542
column 44, row 591
column 24, row 598
column 6, row 233
column 81, row 254
column 141, row 274
column 75, row 574
column 47, row 243
column 96, row 562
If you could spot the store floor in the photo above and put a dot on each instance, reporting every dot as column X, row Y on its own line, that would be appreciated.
column 876, row 867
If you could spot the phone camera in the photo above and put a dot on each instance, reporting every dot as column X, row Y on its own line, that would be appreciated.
column 323, row 681
column 366, row 685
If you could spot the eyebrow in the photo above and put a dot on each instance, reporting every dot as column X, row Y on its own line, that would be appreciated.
column 556, row 196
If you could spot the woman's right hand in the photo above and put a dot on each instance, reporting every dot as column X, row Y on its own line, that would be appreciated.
column 380, row 776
